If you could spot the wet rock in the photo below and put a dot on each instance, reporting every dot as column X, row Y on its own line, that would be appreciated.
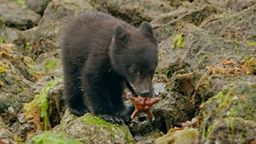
column 92, row 129
column 232, row 130
column 194, row 48
column 16, row 16
column 15, row 78
column 2, row 124
column 45, row 105
column 234, row 26
column 134, row 11
column 6, row 137
column 8, row 35
column 234, row 5
column 149, row 138
column 179, row 136
column 173, row 109
column 46, row 36
column 229, row 116
column 47, row 137
column 165, row 25
column 37, row 6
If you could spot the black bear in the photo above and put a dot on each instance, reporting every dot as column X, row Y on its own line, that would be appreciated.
column 102, row 55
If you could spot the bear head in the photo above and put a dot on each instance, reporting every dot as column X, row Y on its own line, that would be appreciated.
column 134, row 55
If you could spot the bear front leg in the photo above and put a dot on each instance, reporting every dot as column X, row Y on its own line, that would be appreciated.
column 96, row 82
column 98, row 96
column 72, row 91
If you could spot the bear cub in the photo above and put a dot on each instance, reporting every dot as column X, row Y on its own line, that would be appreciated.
column 102, row 56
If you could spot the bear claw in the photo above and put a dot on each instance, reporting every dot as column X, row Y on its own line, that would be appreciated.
column 79, row 112
column 112, row 119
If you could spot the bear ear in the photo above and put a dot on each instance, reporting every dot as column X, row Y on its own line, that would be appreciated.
column 121, row 35
column 147, row 30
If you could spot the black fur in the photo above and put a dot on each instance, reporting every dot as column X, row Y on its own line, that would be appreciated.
column 101, row 54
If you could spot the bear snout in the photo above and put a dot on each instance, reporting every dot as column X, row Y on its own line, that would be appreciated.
column 145, row 93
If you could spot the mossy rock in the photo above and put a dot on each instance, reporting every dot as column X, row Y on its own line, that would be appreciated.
column 231, row 130
column 2, row 124
column 92, row 129
column 48, row 138
column 230, row 113
column 179, row 136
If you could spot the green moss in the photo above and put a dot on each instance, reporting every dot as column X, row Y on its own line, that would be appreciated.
column 224, row 98
column 235, row 101
column 2, row 124
column 2, row 70
column 20, row 2
column 2, row 39
column 44, row 101
column 113, row 128
column 174, row 136
column 245, row 106
column 27, row 47
column 50, row 64
column 94, row 120
column 251, row 43
column 178, row 41
column 231, row 126
column 50, row 138
column 127, row 134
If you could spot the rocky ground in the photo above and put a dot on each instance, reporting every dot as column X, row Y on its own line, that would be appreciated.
column 206, row 76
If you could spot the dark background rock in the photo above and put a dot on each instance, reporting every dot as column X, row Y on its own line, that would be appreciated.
column 37, row 5
column 234, row 5
column 16, row 16
column 7, row 34
column 233, row 118
column 234, row 26
column 165, row 25
column 200, row 49
column 46, row 36
column 133, row 11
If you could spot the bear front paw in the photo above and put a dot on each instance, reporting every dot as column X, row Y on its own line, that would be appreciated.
column 112, row 119
column 79, row 112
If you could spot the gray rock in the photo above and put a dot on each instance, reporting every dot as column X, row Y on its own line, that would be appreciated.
column 92, row 129
column 179, row 136
column 238, row 26
column 46, row 36
column 15, row 78
column 37, row 5
column 195, row 48
column 16, row 16
column 6, row 136
column 229, row 116
column 173, row 109
column 233, row 5
column 134, row 11
column 165, row 25
column 7, row 34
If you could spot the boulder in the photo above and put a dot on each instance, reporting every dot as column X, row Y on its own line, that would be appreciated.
column 229, row 116
column 16, row 16
column 37, row 6
column 233, row 5
column 46, row 36
column 92, row 129
column 134, row 11
column 166, row 24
